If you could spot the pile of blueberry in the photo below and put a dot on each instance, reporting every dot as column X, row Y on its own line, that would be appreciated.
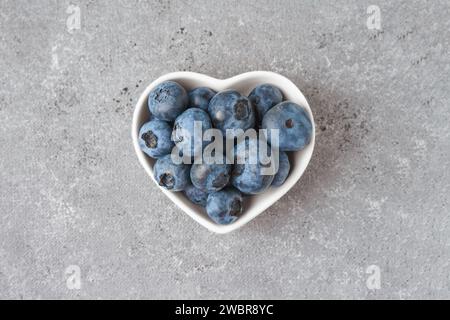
column 220, row 187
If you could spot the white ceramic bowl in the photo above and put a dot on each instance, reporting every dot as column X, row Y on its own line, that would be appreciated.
column 244, row 83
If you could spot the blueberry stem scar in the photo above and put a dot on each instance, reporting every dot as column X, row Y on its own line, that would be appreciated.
column 236, row 207
column 290, row 123
column 240, row 110
column 151, row 140
column 166, row 180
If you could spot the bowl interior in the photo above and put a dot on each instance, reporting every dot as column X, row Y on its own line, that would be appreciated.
column 244, row 83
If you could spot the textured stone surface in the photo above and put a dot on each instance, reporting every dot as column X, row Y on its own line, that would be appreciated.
column 72, row 191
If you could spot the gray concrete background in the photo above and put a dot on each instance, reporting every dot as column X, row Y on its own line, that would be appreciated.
column 376, row 193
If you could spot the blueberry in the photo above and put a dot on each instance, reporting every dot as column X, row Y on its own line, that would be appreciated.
column 155, row 138
column 183, row 131
column 230, row 110
column 171, row 176
column 196, row 196
column 210, row 177
column 264, row 97
column 284, row 168
column 249, row 173
column 167, row 101
column 249, row 180
column 224, row 207
column 294, row 126
column 200, row 98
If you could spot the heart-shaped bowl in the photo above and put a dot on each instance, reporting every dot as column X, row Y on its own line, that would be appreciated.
column 244, row 83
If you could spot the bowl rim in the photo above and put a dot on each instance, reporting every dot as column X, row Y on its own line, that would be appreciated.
column 295, row 175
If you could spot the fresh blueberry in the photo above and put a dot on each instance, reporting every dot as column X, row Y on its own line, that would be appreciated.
column 196, row 196
column 230, row 110
column 248, row 178
column 264, row 97
column 224, row 207
column 155, row 138
column 294, row 125
column 167, row 101
column 252, row 175
column 210, row 177
column 284, row 167
column 184, row 135
column 171, row 176
column 200, row 98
